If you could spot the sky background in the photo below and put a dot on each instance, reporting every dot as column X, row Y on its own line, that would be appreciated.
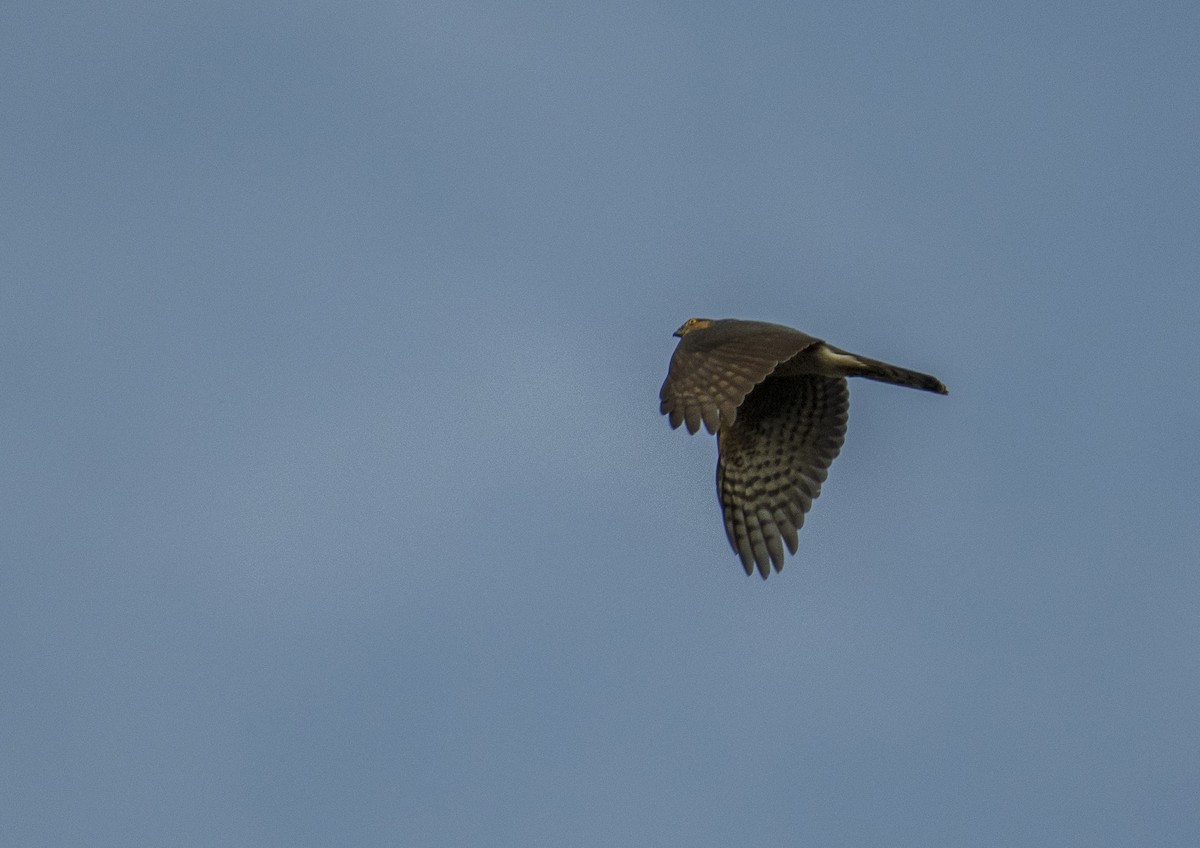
column 338, row 508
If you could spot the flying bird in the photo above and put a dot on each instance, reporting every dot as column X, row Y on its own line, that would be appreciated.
column 778, row 402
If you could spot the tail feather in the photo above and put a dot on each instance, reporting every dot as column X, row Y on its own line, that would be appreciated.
column 885, row 372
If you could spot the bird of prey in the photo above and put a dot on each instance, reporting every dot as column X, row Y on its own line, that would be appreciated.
column 778, row 402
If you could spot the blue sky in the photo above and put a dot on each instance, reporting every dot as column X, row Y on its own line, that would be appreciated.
column 339, row 509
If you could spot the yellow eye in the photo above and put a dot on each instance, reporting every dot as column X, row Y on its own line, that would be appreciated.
column 692, row 324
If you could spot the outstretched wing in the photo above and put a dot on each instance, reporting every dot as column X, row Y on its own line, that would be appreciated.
column 774, row 460
column 714, row 369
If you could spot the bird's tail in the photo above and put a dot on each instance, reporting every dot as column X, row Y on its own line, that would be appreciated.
column 885, row 372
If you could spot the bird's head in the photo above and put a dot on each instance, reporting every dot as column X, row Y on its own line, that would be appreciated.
column 692, row 324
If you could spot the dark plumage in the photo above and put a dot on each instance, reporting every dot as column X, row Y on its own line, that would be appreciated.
column 778, row 401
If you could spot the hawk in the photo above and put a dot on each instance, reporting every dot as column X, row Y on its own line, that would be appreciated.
column 778, row 402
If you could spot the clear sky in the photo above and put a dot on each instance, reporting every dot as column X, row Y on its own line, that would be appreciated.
column 337, row 505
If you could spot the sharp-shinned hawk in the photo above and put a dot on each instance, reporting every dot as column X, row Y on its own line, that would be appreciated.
column 778, row 401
